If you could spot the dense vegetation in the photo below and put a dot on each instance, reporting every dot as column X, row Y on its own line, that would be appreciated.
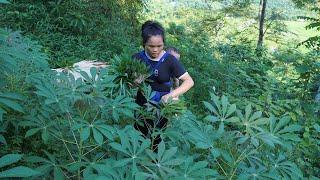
column 253, row 113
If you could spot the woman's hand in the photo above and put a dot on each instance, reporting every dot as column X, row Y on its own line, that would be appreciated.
column 187, row 83
column 168, row 97
column 139, row 79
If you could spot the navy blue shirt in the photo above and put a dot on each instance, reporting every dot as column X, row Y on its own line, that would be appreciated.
column 169, row 68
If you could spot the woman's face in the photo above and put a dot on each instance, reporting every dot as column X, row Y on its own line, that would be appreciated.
column 154, row 46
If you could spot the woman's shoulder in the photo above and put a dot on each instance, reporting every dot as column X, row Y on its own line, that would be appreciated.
column 137, row 55
column 170, row 57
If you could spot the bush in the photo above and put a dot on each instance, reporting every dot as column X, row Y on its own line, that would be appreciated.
column 69, row 31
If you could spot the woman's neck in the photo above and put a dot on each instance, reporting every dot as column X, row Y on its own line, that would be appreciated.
column 155, row 59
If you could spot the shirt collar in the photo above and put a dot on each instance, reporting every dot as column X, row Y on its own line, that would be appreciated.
column 155, row 59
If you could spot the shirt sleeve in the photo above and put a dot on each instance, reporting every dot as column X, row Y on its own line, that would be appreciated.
column 177, row 68
column 135, row 56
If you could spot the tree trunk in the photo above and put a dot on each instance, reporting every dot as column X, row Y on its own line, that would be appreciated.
column 262, row 12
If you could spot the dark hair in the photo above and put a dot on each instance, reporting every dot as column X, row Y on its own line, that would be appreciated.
column 172, row 49
column 151, row 28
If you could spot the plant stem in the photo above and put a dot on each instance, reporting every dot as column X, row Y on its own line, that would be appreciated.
column 94, row 148
column 221, row 167
column 68, row 151
column 74, row 136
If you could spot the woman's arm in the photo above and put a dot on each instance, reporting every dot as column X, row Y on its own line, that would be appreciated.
column 187, row 83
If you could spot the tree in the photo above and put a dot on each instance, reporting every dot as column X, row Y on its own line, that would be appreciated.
column 262, row 13
column 311, row 42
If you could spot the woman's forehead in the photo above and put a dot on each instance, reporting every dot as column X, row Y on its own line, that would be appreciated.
column 157, row 39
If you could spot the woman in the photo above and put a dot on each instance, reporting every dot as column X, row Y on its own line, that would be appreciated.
column 163, row 66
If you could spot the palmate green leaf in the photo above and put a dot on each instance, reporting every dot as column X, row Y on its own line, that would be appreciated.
column 290, row 128
column 31, row 132
column 121, row 106
column 84, row 127
column 122, row 162
column 58, row 173
column 221, row 129
column 195, row 170
column 248, row 111
column 169, row 154
column 252, row 122
column 282, row 122
column 9, row 159
column 210, row 107
column 317, row 128
column 97, row 136
column 124, row 139
column 85, row 133
column 253, row 173
column 2, row 140
column 255, row 116
column 242, row 139
column 132, row 144
column 127, row 70
column 2, row 112
column 216, row 101
column 283, row 168
column 48, row 166
column 76, row 166
column 38, row 122
column 107, row 131
column 254, row 141
column 281, row 129
column 19, row 171
column 12, row 96
column 227, row 156
column 215, row 152
column 224, row 103
column 115, row 114
column 164, row 160
column 119, row 147
column 269, row 139
column 36, row 159
column 231, row 110
column 107, row 169
column 131, row 150
column 45, row 135
column 11, row 104
column 211, row 118
column 203, row 138
column 47, row 90
column 172, row 109
column 4, row 1
column 44, row 168
column 220, row 109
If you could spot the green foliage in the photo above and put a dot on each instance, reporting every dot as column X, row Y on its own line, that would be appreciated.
column 312, row 42
column 261, row 121
column 69, row 31
column 8, row 100
column 173, row 108
column 19, row 58
column 19, row 55
column 4, row 2
column 19, row 171
column 87, row 126
column 305, row 2
column 128, row 70
column 47, row 166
